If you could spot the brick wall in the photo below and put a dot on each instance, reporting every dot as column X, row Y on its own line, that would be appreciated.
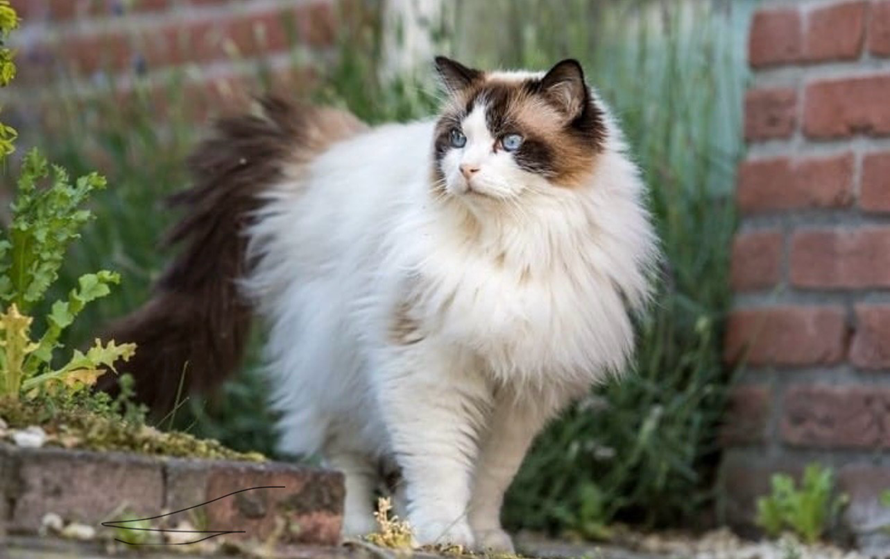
column 84, row 43
column 811, row 260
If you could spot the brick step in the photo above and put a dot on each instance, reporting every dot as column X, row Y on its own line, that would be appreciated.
column 299, row 505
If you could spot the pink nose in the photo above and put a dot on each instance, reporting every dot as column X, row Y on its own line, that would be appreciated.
column 468, row 170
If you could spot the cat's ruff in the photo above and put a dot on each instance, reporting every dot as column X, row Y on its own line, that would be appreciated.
column 434, row 292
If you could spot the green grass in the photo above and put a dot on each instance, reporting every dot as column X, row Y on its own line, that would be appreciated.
column 642, row 448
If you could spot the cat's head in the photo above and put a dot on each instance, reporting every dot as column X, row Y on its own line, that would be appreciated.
column 503, row 133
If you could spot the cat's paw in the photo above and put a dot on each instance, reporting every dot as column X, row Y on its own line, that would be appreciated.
column 496, row 540
column 442, row 533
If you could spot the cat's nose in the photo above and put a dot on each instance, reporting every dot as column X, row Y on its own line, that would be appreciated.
column 468, row 170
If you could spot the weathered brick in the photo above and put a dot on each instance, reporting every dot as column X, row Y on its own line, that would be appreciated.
column 775, row 37
column 770, row 113
column 309, row 500
column 871, row 342
column 841, row 258
column 835, row 32
column 756, row 260
column 748, row 416
column 783, row 183
column 818, row 416
column 787, row 335
column 842, row 107
column 874, row 192
column 879, row 31
column 82, row 486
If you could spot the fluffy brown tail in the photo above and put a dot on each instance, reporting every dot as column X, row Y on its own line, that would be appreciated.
column 197, row 323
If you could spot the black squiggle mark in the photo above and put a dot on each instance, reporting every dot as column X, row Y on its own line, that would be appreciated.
column 215, row 533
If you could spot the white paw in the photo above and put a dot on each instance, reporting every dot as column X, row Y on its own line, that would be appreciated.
column 495, row 540
column 357, row 525
column 456, row 532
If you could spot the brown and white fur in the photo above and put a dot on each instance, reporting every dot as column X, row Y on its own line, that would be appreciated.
column 434, row 292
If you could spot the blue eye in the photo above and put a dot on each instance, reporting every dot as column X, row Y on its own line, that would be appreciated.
column 458, row 139
column 511, row 142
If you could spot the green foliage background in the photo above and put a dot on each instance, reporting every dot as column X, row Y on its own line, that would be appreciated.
column 642, row 448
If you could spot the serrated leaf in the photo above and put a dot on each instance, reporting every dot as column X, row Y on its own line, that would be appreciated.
column 97, row 359
column 90, row 288
column 16, row 344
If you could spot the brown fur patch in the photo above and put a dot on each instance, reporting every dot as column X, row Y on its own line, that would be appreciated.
column 404, row 329
column 562, row 137
column 196, row 322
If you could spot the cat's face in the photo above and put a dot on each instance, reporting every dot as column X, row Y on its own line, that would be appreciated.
column 503, row 133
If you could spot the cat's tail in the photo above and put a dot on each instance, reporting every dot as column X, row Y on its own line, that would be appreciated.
column 195, row 326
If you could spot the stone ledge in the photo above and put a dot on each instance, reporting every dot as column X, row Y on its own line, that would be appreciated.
column 89, row 487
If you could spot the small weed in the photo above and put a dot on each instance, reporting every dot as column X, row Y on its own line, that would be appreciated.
column 808, row 511
column 392, row 532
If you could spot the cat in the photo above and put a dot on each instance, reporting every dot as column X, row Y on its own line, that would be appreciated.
column 433, row 292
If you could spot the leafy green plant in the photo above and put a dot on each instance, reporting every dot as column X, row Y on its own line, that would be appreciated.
column 807, row 511
column 46, row 219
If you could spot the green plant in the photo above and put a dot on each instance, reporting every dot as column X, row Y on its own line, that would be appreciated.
column 45, row 221
column 807, row 511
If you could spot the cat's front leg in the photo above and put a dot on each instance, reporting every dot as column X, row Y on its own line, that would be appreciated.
column 512, row 428
column 360, row 476
column 433, row 405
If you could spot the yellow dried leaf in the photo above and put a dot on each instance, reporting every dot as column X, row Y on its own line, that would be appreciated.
column 16, row 344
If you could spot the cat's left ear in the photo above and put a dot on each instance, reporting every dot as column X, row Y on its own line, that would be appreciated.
column 455, row 76
column 564, row 86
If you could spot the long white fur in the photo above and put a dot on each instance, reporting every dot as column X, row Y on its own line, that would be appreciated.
column 523, row 292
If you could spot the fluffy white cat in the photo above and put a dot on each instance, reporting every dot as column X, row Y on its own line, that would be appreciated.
column 434, row 292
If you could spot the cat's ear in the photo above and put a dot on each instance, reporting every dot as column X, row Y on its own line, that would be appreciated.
column 455, row 76
column 564, row 86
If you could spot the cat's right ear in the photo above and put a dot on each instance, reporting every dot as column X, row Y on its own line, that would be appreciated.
column 455, row 76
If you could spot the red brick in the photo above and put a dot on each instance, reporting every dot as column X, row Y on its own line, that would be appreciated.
column 841, row 258
column 309, row 499
column 874, row 194
column 784, row 183
column 835, row 32
column 59, row 10
column 837, row 417
column 787, row 335
column 199, row 41
column 756, row 260
column 775, row 38
column 56, row 10
column 871, row 341
column 747, row 417
column 770, row 113
column 879, row 32
column 843, row 107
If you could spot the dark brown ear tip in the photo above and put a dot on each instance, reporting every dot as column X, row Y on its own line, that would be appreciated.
column 569, row 65
column 455, row 76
